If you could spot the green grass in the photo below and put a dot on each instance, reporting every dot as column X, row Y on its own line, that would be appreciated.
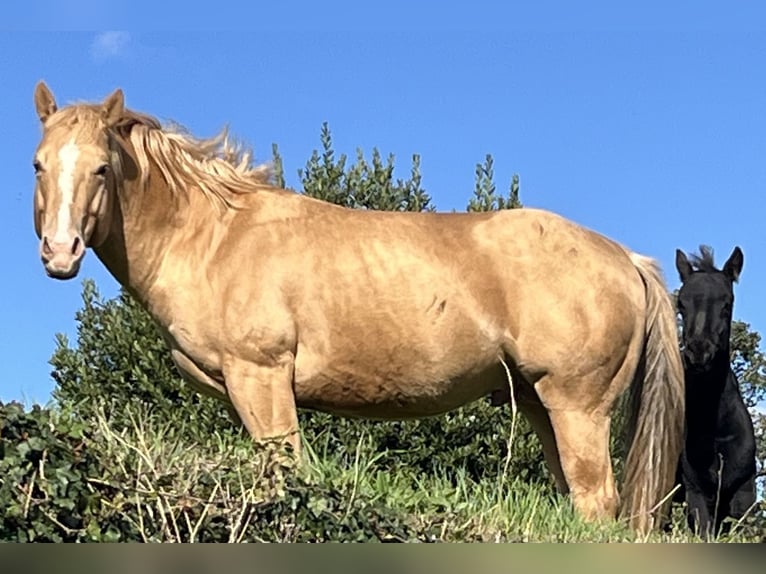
column 178, row 489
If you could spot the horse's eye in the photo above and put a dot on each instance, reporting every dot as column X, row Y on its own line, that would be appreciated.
column 38, row 166
column 102, row 169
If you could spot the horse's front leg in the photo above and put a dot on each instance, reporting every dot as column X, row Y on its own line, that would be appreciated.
column 743, row 499
column 262, row 394
column 699, row 513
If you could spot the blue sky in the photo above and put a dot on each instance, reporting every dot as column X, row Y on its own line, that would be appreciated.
column 645, row 126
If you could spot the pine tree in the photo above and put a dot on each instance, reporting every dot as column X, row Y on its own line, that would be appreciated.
column 485, row 197
column 363, row 185
column 279, row 170
column 748, row 363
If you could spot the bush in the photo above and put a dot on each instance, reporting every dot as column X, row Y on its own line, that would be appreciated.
column 61, row 481
column 44, row 464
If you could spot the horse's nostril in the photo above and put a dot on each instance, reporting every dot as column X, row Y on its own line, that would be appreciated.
column 47, row 247
column 76, row 246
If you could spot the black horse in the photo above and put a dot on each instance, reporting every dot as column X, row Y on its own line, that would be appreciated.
column 717, row 465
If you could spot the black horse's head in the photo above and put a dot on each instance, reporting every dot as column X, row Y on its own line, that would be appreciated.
column 705, row 302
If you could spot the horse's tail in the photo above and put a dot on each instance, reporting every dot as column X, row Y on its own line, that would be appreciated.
column 656, row 408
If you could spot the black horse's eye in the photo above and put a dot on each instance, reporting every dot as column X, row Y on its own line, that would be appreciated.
column 38, row 166
column 102, row 169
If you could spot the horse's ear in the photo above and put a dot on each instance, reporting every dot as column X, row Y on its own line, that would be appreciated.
column 683, row 266
column 113, row 108
column 45, row 103
column 733, row 266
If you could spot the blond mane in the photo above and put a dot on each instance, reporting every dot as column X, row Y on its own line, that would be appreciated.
column 219, row 167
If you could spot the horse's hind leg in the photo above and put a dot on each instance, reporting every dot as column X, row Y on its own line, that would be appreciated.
column 583, row 446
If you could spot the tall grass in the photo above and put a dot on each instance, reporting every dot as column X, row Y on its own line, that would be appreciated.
column 175, row 489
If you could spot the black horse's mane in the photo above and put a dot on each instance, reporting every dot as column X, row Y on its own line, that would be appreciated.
column 704, row 260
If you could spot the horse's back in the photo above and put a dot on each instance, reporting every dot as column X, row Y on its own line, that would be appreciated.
column 519, row 272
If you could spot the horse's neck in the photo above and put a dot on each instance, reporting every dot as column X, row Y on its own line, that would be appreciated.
column 144, row 225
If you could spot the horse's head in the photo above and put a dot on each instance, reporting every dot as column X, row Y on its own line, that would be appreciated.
column 75, row 180
column 705, row 303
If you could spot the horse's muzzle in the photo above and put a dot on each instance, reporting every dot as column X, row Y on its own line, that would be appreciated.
column 62, row 259
column 699, row 356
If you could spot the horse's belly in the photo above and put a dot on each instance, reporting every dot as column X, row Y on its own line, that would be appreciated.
column 394, row 397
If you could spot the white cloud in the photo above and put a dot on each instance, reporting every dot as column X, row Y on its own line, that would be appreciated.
column 107, row 45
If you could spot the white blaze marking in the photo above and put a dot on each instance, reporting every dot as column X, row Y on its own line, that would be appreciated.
column 700, row 321
column 68, row 155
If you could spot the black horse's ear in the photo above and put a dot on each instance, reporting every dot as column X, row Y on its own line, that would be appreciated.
column 683, row 266
column 733, row 266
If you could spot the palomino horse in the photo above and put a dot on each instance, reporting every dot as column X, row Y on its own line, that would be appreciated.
column 271, row 300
